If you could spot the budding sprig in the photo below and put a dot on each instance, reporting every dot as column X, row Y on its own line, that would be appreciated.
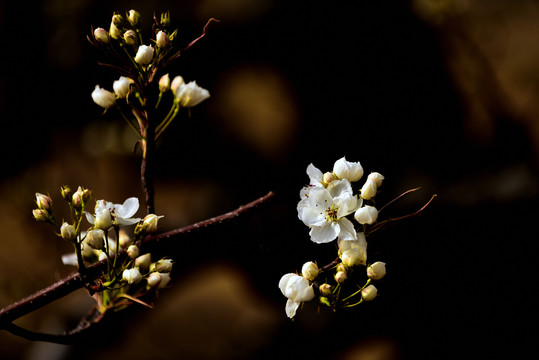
column 331, row 210
column 130, row 274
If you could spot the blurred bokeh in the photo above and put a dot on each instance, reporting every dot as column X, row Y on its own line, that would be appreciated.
column 441, row 94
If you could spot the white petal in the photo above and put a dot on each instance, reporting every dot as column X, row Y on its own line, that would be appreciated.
column 306, row 294
column 89, row 217
column 347, row 230
column 284, row 282
column 315, row 175
column 291, row 307
column 70, row 259
column 340, row 188
column 312, row 216
column 129, row 221
column 128, row 208
column 324, row 234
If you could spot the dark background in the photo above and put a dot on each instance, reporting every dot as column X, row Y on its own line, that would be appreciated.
column 436, row 94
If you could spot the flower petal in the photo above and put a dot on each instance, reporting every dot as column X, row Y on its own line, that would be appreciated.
column 291, row 307
column 128, row 208
column 347, row 230
column 324, row 234
column 284, row 282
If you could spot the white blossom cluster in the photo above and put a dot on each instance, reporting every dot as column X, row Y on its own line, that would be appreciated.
column 333, row 211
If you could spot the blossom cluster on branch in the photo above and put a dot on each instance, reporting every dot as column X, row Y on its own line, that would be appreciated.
column 333, row 211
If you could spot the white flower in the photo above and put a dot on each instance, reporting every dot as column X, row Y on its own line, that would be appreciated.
column 368, row 191
column 316, row 179
column 191, row 94
column 324, row 211
column 296, row 288
column 102, row 97
column 377, row 270
column 352, row 171
column 366, row 215
column 353, row 252
column 121, row 87
column 369, row 293
column 132, row 276
column 309, row 270
column 144, row 54
column 108, row 214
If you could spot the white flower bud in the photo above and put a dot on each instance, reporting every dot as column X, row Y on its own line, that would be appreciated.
column 164, row 83
column 130, row 37
column 40, row 215
column 101, row 35
column 377, row 270
column 154, row 279
column 164, row 265
column 325, row 289
column 376, row 177
column 368, row 191
column 68, row 231
column 143, row 262
column 115, row 33
column 366, row 215
column 328, row 177
column 165, row 278
column 340, row 277
column 149, row 224
column 133, row 251
column 352, row 171
column 132, row 276
column 121, row 87
column 353, row 257
column 133, row 17
column 161, row 39
column 96, row 239
column 309, row 270
column 103, row 98
column 176, row 84
column 369, row 293
column 103, row 219
column 144, row 55
column 43, row 202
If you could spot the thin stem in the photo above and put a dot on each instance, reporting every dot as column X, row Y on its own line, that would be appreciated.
column 167, row 120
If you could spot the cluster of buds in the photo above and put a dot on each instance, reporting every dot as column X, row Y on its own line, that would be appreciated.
column 333, row 211
column 130, row 274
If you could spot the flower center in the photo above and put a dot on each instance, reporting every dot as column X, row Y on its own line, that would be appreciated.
column 331, row 213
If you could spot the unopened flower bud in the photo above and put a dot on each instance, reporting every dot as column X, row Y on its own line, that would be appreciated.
column 165, row 19
column 352, row 171
column 130, row 37
column 144, row 54
column 133, row 251
column 132, row 276
column 86, row 195
column 165, row 278
column 366, row 215
column 153, row 279
column 125, row 239
column 77, row 199
column 329, row 177
column 66, row 193
column 309, row 270
column 117, row 20
column 103, row 98
column 164, row 83
column 43, row 202
column 68, row 232
column 121, row 87
column 96, row 239
column 114, row 32
column 325, row 289
column 369, row 293
column 161, row 40
column 368, row 191
column 149, row 224
column 376, row 177
column 340, row 277
column 353, row 257
column 143, row 262
column 163, row 265
column 40, row 215
column 176, row 84
column 377, row 270
column 101, row 35
column 133, row 17
column 341, row 267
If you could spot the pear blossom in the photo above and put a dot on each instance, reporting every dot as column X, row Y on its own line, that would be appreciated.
column 297, row 289
column 369, row 189
column 144, row 54
column 190, row 94
column 325, row 211
column 103, row 98
column 108, row 214
column 121, row 87
column 353, row 252
column 366, row 215
column 352, row 171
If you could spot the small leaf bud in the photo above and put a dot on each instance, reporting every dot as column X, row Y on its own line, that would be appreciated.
column 66, row 193
column 309, row 270
column 377, row 270
column 369, row 293
column 68, row 232
column 165, row 19
column 324, row 301
column 133, row 251
column 86, row 195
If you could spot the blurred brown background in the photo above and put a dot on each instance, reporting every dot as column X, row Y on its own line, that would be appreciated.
column 434, row 93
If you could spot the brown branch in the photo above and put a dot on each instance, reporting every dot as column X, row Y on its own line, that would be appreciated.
column 77, row 281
